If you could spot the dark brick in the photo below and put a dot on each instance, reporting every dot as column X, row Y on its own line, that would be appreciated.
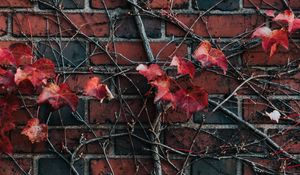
column 69, row 54
column 57, row 166
column 63, row 4
column 213, row 166
column 8, row 167
column 126, row 27
column 110, row 4
column 129, row 145
column 63, row 116
column 3, row 24
column 225, row 5
column 218, row 117
column 133, row 84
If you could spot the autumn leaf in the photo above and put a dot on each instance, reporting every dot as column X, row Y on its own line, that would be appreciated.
column 288, row 17
column 183, row 66
column 22, row 53
column 162, row 85
column 271, row 39
column 8, row 105
column 37, row 73
column 95, row 88
column 192, row 100
column 7, row 81
column 270, row 13
column 209, row 56
column 6, row 57
column 35, row 131
column 58, row 96
column 150, row 72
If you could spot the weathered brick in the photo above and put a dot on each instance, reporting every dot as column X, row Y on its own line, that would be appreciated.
column 257, row 56
column 64, row 4
column 129, row 51
column 3, row 24
column 98, row 112
column 126, row 27
column 49, row 166
column 16, row 3
column 175, row 4
column 217, row 25
column 225, row 5
column 121, row 166
column 133, row 84
column 64, row 54
column 110, row 4
column 95, row 147
column 20, row 142
column 262, row 164
column 265, row 4
column 213, row 166
column 8, row 167
column 288, row 140
column 34, row 24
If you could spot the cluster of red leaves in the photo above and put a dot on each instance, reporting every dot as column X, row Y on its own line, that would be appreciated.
column 272, row 38
column 194, row 98
column 20, row 73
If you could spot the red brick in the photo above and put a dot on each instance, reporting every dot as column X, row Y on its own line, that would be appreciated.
column 265, row 4
column 134, row 51
column 219, row 84
column 16, row 3
column 121, row 166
column 3, row 24
column 20, row 142
column 95, row 146
column 288, row 140
column 175, row 116
column 100, row 114
column 271, row 164
column 294, row 4
column 217, row 25
column 257, row 56
column 8, row 167
column 47, row 24
column 180, row 4
column 110, row 4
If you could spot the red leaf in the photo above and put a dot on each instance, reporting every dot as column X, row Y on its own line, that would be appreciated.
column 95, row 88
column 271, row 39
column 7, row 80
column 163, row 88
column 270, row 13
column 8, row 105
column 6, row 57
column 209, row 56
column 150, row 72
column 183, row 66
column 288, row 17
column 22, row 53
column 35, row 131
column 58, row 96
column 37, row 73
column 192, row 100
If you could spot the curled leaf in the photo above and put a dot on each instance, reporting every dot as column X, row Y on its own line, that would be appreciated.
column 209, row 56
column 183, row 66
column 37, row 73
column 288, row 17
column 35, row 131
column 95, row 88
column 271, row 39
column 275, row 115
column 22, row 53
column 58, row 96
column 150, row 72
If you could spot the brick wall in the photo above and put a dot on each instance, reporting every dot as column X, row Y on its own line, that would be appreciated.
column 73, row 34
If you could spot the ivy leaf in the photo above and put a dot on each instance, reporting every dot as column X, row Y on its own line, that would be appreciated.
column 192, row 100
column 183, row 66
column 37, row 73
column 35, row 131
column 8, row 105
column 163, row 88
column 275, row 115
column 6, row 57
column 150, row 72
column 58, row 96
column 95, row 88
column 209, row 56
column 288, row 17
column 22, row 53
column 7, row 81
column 271, row 39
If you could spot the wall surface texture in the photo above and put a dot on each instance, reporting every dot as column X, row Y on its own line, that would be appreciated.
column 100, row 37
